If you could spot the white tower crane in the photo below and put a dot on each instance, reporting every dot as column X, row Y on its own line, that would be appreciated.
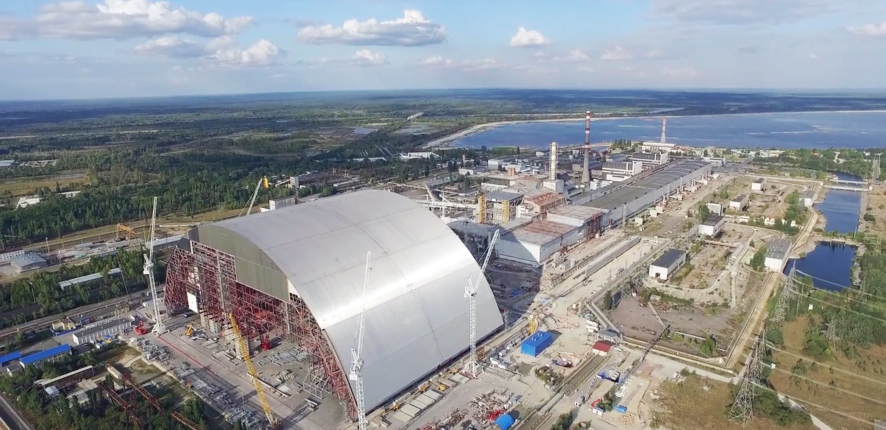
column 356, row 373
column 149, row 273
column 471, row 293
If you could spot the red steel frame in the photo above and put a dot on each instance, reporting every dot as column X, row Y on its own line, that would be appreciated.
column 202, row 272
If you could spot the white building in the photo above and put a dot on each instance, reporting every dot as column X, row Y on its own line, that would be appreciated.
column 668, row 264
column 777, row 251
column 657, row 146
column 712, row 226
column 417, row 155
column 621, row 170
column 739, row 203
column 650, row 159
column 102, row 330
column 716, row 161
column 24, row 202
column 808, row 198
column 715, row 208
column 758, row 184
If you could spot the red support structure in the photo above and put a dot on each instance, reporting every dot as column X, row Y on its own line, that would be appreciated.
column 211, row 276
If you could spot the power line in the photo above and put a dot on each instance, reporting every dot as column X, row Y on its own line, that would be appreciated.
column 833, row 387
column 824, row 408
column 772, row 347
column 743, row 407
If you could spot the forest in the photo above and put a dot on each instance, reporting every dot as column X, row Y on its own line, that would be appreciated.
column 852, row 162
column 99, row 413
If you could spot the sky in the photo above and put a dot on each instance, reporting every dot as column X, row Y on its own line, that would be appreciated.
column 138, row 48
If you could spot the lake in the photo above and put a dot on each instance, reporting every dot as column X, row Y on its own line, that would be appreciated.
column 771, row 130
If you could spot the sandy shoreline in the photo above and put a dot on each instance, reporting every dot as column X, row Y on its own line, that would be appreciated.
column 443, row 141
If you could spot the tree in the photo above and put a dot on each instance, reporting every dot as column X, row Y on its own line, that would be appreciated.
column 607, row 300
column 703, row 212
column 758, row 261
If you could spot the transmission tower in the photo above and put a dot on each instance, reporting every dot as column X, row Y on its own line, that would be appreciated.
column 786, row 294
column 356, row 373
column 471, row 294
column 149, row 273
column 831, row 333
column 743, row 407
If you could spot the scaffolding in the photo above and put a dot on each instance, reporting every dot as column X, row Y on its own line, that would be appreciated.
column 210, row 275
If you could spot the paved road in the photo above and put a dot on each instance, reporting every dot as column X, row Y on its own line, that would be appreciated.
column 11, row 417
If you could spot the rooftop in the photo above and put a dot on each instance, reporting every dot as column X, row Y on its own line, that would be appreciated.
column 9, row 357
column 759, row 180
column 541, row 232
column 27, row 260
column 49, row 353
column 103, row 325
column 87, row 278
column 778, row 248
column 617, row 165
column 669, row 258
column 740, row 197
column 602, row 345
column 712, row 220
column 584, row 213
column 6, row 163
column 623, row 193
column 501, row 195
column 645, row 156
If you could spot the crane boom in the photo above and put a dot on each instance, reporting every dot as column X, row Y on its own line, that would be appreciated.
column 261, row 181
column 244, row 350
column 356, row 373
column 471, row 294
column 149, row 274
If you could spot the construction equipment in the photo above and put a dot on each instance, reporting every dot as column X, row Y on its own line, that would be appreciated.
column 266, row 344
column 471, row 294
column 149, row 273
column 356, row 373
column 130, row 232
column 263, row 181
column 244, row 351
column 533, row 324
column 190, row 330
column 140, row 328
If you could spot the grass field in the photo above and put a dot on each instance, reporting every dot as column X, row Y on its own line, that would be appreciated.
column 26, row 186
column 700, row 403
column 855, row 387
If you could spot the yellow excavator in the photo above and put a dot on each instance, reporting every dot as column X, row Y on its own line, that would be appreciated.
column 190, row 330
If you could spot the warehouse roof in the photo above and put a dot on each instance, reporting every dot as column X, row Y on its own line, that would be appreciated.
column 541, row 232
column 10, row 357
column 501, row 195
column 759, row 180
column 27, row 260
column 584, row 213
column 740, row 197
column 49, row 353
column 618, row 165
column 87, row 278
column 416, row 314
column 712, row 220
column 778, row 248
column 646, row 156
column 623, row 193
column 102, row 325
column 670, row 257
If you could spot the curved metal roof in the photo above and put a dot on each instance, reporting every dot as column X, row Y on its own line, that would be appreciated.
column 416, row 313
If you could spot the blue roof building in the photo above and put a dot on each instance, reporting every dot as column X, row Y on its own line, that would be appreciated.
column 536, row 343
column 49, row 354
column 12, row 356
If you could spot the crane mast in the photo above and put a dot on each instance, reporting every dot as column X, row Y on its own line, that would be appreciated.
column 261, row 181
column 356, row 373
column 244, row 351
column 149, row 273
column 471, row 294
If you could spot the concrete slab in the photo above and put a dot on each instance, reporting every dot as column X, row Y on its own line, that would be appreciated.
column 410, row 410
column 402, row 417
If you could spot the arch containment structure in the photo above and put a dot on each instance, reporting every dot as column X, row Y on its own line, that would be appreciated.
column 298, row 272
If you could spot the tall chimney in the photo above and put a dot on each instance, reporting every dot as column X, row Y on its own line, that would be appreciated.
column 664, row 126
column 586, row 173
column 553, row 161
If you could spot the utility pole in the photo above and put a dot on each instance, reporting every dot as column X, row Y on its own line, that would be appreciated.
column 743, row 407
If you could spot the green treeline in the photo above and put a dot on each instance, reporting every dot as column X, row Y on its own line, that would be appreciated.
column 851, row 161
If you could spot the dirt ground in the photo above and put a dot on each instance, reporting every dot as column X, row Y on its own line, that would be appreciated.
column 26, row 186
column 876, row 201
column 864, row 388
column 700, row 403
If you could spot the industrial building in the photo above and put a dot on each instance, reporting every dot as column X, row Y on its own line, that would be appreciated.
column 27, row 262
column 739, row 203
column 712, row 225
column 777, row 251
column 657, row 146
column 668, row 264
column 103, row 330
column 618, row 171
column 533, row 242
column 298, row 273
column 621, row 201
column 808, row 198
column 51, row 354
column 758, row 184
column 87, row 279
column 498, row 207
column 649, row 159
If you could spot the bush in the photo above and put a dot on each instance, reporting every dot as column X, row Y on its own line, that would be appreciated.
column 868, row 217
column 563, row 422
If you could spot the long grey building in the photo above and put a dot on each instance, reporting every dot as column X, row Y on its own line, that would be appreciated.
column 102, row 330
column 629, row 198
column 298, row 272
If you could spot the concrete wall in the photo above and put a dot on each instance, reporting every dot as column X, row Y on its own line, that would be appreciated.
column 509, row 248
column 774, row 264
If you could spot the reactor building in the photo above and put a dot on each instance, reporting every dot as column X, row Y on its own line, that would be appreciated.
column 298, row 272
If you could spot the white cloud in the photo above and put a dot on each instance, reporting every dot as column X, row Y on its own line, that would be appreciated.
column 123, row 19
column 262, row 53
column 731, row 12
column 573, row 56
column 813, row 56
column 176, row 68
column 617, row 54
column 528, row 38
column 466, row 65
column 872, row 30
column 365, row 57
column 413, row 29
column 680, row 73
column 170, row 46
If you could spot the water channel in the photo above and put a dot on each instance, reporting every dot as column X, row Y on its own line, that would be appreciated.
column 830, row 264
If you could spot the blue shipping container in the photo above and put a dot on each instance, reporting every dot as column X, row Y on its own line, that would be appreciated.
column 504, row 421
column 536, row 343
column 622, row 409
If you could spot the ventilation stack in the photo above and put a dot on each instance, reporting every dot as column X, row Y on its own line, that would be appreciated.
column 585, row 172
column 553, row 161
column 664, row 127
